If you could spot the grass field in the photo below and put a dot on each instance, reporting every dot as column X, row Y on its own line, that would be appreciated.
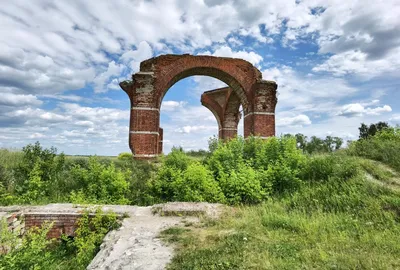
column 353, row 225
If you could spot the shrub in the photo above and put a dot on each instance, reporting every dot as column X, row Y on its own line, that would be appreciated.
column 180, row 179
column 242, row 186
column 32, row 252
column 282, row 178
column 90, row 234
column 197, row 184
column 177, row 159
column 384, row 146
column 227, row 157
column 125, row 156
column 99, row 184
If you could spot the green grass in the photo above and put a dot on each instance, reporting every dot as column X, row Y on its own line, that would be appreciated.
column 359, row 230
column 10, row 158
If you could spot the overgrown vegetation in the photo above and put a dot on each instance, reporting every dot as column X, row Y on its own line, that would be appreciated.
column 300, row 203
column 35, row 251
column 333, row 218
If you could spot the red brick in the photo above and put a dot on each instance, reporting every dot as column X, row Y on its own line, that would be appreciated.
column 158, row 74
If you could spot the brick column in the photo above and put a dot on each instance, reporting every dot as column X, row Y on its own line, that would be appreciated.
column 229, row 126
column 260, row 121
column 145, row 116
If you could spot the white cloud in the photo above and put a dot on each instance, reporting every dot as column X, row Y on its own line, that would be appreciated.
column 37, row 135
column 395, row 118
column 357, row 109
column 357, row 63
column 225, row 51
column 104, row 78
column 171, row 105
column 297, row 121
column 193, row 129
column 94, row 114
column 134, row 57
column 300, row 93
column 10, row 99
column 37, row 115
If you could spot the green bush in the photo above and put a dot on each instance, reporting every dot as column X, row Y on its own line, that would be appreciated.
column 177, row 159
column 90, row 234
column 324, row 167
column 282, row 178
column 99, row 184
column 276, row 161
column 384, row 146
column 125, row 156
column 180, row 179
column 197, row 184
column 32, row 252
column 243, row 186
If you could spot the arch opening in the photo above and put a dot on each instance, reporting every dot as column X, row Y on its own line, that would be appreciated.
column 157, row 75
column 208, row 72
column 186, row 122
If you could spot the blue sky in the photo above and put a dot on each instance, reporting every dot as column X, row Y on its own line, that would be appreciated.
column 337, row 64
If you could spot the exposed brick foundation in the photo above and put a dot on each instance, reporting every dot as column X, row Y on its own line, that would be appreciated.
column 63, row 223
column 158, row 74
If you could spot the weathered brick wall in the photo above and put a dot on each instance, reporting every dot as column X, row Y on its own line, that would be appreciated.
column 158, row 74
column 63, row 223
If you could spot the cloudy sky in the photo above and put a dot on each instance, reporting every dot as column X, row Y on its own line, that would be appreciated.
column 337, row 64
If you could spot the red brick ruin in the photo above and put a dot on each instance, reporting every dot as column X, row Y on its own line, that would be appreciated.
column 246, row 88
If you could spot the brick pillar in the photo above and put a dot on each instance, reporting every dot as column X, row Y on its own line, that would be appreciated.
column 231, row 115
column 145, row 116
column 224, row 103
column 260, row 121
column 160, row 140
column 229, row 125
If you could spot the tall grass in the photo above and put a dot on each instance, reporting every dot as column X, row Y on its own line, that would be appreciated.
column 326, row 225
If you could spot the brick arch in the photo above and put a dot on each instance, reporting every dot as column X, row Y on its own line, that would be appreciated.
column 158, row 74
column 225, row 104
column 238, row 74
column 214, row 107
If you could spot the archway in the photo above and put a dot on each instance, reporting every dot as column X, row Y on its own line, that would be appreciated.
column 158, row 74
column 224, row 103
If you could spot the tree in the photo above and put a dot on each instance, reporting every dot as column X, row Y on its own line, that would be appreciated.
column 301, row 141
column 369, row 131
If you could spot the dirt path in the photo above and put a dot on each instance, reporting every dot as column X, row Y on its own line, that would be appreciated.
column 135, row 245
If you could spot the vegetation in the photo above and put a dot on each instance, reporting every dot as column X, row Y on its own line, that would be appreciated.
column 299, row 202
column 333, row 219
column 35, row 251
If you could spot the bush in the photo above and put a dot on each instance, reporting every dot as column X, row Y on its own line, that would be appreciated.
column 32, row 252
column 243, row 186
column 384, row 146
column 197, row 184
column 99, row 184
column 324, row 167
column 90, row 234
column 282, row 178
column 180, row 179
column 125, row 156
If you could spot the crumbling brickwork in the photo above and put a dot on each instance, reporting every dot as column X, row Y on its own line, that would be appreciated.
column 224, row 104
column 158, row 74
